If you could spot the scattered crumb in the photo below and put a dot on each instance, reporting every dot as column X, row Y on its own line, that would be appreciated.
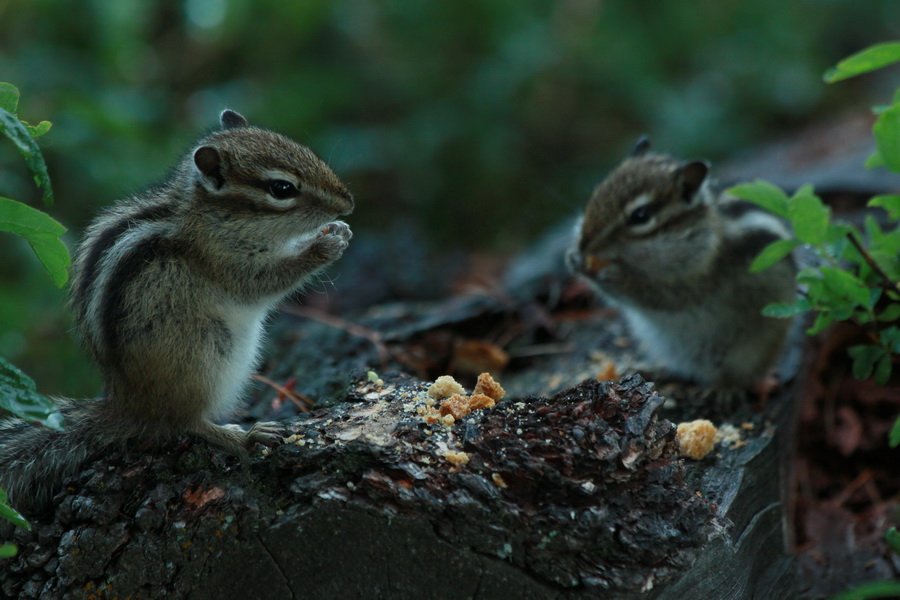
column 606, row 366
column 747, row 426
column 608, row 371
column 428, row 413
column 498, row 480
column 729, row 435
column 696, row 438
column 488, row 387
column 444, row 387
column 594, row 264
column 457, row 459
column 477, row 401
column 455, row 405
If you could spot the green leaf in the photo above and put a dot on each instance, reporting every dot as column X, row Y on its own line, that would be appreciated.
column 19, row 396
column 773, row 253
column 10, row 514
column 875, row 589
column 809, row 216
column 870, row 59
column 890, row 313
column 40, row 129
column 890, row 203
column 882, row 371
column 42, row 233
column 845, row 285
column 787, row 311
column 875, row 160
column 9, row 97
column 890, row 339
column 892, row 536
column 764, row 194
column 864, row 358
column 8, row 550
column 17, row 132
column 894, row 441
column 823, row 320
column 887, row 135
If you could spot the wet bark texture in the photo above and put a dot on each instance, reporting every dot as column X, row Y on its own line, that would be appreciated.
column 575, row 495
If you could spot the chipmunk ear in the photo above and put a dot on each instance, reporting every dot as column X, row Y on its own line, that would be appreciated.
column 690, row 177
column 231, row 119
column 209, row 163
column 640, row 146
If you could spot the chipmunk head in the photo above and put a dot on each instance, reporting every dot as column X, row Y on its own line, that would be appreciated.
column 648, row 216
column 243, row 170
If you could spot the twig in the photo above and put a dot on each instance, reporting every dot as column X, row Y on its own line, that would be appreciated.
column 352, row 328
column 888, row 283
column 303, row 403
column 851, row 488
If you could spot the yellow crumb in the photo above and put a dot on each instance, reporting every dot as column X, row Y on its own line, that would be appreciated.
column 696, row 438
column 490, row 388
column 477, row 401
column 457, row 459
column 455, row 405
column 444, row 387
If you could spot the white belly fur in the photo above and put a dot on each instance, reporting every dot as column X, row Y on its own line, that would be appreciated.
column 246, row 326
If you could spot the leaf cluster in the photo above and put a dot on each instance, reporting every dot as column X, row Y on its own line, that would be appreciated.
column 40, row 230
column 17, row 391
column 856, row 274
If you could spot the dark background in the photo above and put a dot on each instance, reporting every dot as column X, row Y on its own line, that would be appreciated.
column 482, row 122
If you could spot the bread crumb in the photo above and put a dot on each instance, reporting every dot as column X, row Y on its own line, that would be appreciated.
column 477, row 401
column 498, row 480
column 457, row 459
column 696, row 438
column 455, row 405
column 608, row 372
column 488, row 387
column 444, row 387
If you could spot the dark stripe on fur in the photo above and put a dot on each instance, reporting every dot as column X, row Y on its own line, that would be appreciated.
column 103, row 242
column 748, row 246
column 736, row 209
column 151, row 249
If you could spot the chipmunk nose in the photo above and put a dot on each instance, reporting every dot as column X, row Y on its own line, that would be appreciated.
column 573, row 260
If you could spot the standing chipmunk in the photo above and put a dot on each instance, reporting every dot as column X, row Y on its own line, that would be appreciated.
column 674, row 256
column 170, row 292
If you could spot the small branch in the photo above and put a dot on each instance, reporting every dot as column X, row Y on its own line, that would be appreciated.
column 304, row 403
column 888, row 283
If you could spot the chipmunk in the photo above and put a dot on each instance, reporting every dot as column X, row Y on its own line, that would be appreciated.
column 658, row 242
column 170, row 293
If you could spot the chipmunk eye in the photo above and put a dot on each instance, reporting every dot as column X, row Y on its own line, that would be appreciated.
column 281, row 189
column 640, row 215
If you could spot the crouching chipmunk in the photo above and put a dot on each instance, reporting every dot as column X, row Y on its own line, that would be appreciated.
column 673, row 255
column 170, row 292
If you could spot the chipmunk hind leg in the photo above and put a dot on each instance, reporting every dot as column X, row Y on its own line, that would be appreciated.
column 235, row 440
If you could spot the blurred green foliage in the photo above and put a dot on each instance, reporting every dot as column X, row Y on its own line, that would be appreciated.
column 483, row 121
